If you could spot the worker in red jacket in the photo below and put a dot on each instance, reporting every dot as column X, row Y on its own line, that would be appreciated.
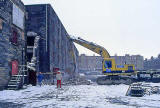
column 59, row 78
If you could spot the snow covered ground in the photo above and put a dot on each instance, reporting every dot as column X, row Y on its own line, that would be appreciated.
column 76, row 96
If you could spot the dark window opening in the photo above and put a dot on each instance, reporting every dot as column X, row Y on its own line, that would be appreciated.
column 29, row 56
column 14, row 37
column 32, row 79
column 30, row 41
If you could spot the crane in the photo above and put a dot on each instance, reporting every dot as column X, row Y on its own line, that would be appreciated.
column 115, row 73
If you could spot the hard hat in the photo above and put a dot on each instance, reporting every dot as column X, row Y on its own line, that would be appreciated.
column 56, row 69
column 58, row 72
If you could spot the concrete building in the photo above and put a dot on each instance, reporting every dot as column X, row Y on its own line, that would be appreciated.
column 152, row 63
column 55, row 48
column 94, row 63
column 90, row 63
column 12, row 39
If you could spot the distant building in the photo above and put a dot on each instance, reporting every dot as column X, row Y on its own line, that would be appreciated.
column 94, row 63
column 137, row 60
column 90, row 63
column 152, row 63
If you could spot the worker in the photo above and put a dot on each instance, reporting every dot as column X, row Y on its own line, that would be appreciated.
column 59, row 78
column 40, row 78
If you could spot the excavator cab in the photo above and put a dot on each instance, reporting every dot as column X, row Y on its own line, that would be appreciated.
column 108, row 65
column 130, row 68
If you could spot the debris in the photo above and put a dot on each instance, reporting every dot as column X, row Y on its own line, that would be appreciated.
column 139, row 90
column 136, row 90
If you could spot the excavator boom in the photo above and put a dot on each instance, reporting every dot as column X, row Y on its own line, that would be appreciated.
column 91, row 46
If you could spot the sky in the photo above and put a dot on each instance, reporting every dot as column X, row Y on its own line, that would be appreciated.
column 121, row 26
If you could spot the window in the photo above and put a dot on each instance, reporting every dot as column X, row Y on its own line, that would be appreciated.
column 18, row 16
column 30, row 41
column 108, row 64
column 14, row 37
column 29, row 56
column 1, row 23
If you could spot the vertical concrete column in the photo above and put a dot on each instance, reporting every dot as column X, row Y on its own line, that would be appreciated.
column 59, row 45
column 66, row 53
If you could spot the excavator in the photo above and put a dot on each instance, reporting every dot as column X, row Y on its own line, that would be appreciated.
column 112, row 73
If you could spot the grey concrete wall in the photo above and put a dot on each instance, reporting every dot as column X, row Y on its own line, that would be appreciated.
column 56, row 36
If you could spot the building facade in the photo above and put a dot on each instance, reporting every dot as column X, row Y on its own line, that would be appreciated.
column 152, row 63
column 94, row 63
column 137, row 60
column 90, row 63
column 12, row 39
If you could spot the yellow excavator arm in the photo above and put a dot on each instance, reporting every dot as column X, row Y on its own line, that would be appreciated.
column 91, row 46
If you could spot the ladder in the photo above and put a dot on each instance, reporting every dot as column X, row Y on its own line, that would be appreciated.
column 16, row 82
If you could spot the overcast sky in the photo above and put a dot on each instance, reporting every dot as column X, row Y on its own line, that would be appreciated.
column 121, row 26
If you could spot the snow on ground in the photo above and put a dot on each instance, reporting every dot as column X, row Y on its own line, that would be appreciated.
column 76, row 96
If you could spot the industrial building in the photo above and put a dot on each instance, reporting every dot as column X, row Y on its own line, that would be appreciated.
column 12, row 39
column 94, row 63
column 54, row 48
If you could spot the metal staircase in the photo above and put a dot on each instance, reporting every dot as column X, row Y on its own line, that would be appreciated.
column 16, row 82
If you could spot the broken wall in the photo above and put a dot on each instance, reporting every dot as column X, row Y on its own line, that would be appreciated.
column 54, row 47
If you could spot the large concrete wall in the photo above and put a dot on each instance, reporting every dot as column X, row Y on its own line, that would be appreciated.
column 36, row 22
column 12, row 39
column 54, row 48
